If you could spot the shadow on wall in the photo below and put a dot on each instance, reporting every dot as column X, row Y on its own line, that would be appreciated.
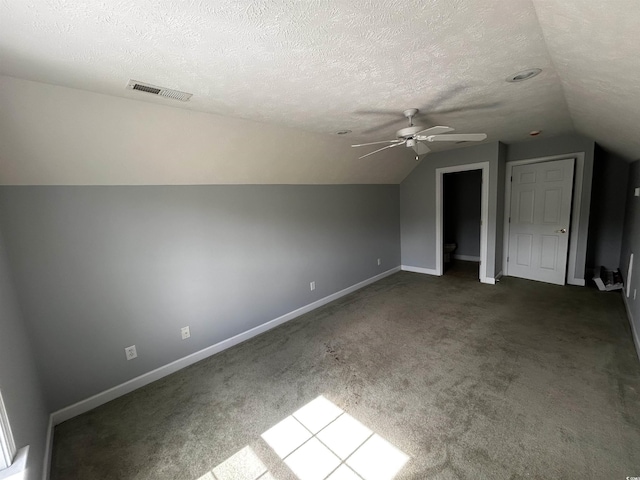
column 607, row 212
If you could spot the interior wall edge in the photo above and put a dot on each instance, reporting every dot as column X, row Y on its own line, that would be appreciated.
column 634, row 332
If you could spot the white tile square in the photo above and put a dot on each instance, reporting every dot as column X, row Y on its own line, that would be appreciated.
column 207, row 476
column 286, row 436
column 312, row 461
column 267, row 476
column 377, row 459
column 343, row 473
column 244, row 465
column 344, row 435
column 317, row 414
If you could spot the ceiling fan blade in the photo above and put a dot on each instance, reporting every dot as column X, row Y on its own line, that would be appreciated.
column 376, row 143
column 421, row 149
column 457, row 137
column 383, row 148
column 437, row 130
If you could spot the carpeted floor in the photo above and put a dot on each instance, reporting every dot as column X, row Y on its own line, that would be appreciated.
column 432, row 378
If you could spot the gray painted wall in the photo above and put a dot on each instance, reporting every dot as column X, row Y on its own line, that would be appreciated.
column 631, row 244
column 462, row 211
column 418, row 209
column 608, row 199
column 101, row 268
column 417, row 196
column 546, row 147
column 19, row 378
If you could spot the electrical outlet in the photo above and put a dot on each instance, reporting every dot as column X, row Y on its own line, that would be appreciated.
column 312, row 286
column 379, row 262
column 635, row 291
column 130, row 352
column 185, row 332
column 636, row 192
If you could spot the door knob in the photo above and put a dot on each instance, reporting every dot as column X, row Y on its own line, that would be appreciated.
column 562, row 230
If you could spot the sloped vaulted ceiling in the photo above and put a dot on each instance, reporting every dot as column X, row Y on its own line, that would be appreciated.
column 273, row 80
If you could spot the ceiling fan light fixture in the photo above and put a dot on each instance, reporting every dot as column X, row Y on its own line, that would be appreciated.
column 343, row 132
column 535, row 133
column 524, row 75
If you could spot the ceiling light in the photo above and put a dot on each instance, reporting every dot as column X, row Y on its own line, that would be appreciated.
column 343, row 132
column 535, row 133
column 524, row 75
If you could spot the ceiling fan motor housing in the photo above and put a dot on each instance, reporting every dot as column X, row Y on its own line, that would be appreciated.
column 409, row 132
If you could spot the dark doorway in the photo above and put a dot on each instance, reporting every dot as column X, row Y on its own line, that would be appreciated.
column 462, row 221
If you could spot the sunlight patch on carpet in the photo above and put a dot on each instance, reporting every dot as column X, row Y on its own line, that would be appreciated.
column 318, row 442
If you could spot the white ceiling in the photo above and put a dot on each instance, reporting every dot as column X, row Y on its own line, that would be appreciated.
column 323, row 65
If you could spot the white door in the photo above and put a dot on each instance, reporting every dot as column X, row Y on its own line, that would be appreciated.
column 540, row 219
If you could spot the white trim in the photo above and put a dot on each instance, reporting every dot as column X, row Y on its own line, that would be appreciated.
column 119, row 390
column 484, row 215
column 427, row 271
column 7, row 443
column 634, row 332
column 498, row 276
column 18, row 469
column 466, row 258
column 629, row 273
column 576, row 205
column 48, row 446
column 489, row 281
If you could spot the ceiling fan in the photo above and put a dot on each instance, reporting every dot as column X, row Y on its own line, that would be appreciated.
column 414, row 136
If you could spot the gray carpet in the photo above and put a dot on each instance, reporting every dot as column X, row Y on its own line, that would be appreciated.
column 461, row 380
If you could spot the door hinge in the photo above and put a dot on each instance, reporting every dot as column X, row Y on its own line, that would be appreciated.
column 507, row 259
column 509, row 219
column 511, row 179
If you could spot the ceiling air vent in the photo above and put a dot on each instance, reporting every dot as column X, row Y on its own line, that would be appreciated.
column 155, row 90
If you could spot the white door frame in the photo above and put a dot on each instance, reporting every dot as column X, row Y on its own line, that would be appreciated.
column 576, row 204
column 484, row 215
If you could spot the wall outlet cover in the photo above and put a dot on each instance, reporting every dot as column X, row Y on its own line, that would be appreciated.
column 131, row 352
column 379, row 262
column 312, row 286
column 185, row 332
column 636, row 192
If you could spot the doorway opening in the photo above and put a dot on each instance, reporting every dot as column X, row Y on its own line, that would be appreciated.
column 482, row 167
column 462, row 221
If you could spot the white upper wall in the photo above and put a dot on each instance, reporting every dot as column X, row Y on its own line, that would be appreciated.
column 52, row 135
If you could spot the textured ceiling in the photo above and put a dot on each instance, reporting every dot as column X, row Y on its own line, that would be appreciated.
column 596, row 52
column 325, row 65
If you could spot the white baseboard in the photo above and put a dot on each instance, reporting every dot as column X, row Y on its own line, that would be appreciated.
column 578, row 282
column 488, row 281
column 634, row 332
column 119, row 390
column 46, row 467
column 466, row 258
column 428, row 271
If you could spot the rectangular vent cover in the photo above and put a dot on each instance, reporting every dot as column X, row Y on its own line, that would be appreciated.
column 155, row 90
